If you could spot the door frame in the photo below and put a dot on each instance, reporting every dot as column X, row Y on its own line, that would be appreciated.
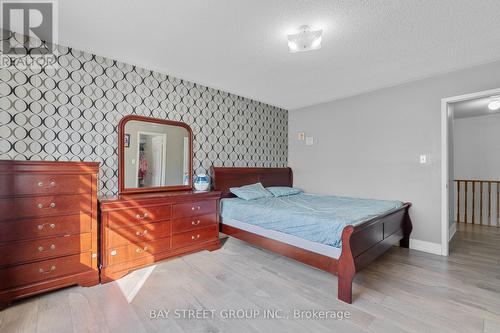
column 445, row 164
column 164, row 152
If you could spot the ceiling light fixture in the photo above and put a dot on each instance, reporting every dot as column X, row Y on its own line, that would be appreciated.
column 305, row 40
column 494, row 103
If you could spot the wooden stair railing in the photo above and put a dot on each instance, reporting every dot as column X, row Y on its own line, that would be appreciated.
column 465, row 188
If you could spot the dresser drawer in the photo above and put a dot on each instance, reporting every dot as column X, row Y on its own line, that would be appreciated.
column 19, row 252
column 44, row 206
column 195, row 208
column 43, row 270
column 194, row 236
column 44, row 184
column 134, row 251
column 194, row 222
column 139, row 233
column 135, row 216
column 45, row 227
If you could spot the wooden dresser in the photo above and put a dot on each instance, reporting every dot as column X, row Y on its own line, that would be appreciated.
column 141, row 229
column 48, row 227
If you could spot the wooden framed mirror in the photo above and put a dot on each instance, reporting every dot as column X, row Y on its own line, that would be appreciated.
column 154, row 155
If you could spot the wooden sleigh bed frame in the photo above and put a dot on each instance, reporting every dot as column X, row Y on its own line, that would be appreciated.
column 361, row 244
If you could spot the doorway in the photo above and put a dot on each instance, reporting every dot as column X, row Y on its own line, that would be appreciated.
column 151, row 157
column 456, row 193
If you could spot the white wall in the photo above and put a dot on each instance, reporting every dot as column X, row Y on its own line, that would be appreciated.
column 369, row 145
column 477, row 147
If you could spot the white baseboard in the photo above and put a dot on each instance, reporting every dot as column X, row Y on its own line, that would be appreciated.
column 453, row 229
column 429, row 247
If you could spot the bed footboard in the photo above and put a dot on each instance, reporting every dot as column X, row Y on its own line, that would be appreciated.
column 364, row 243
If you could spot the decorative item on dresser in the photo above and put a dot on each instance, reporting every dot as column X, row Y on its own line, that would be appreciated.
column 139, row 228
column 48, row 227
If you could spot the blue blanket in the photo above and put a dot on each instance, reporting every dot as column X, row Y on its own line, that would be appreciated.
column 317, row 218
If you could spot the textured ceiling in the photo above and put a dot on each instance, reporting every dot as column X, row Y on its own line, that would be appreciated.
column 473, row 108
column 240, row 46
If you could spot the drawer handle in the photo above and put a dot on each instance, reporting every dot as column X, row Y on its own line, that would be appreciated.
column 194, row 208
column 139, row 217
column 144, row 233
column 51, row 247
column 42, row 271
column 51, row 184
column 41, row 226
column 195, row 222
column 139, row 250
column 195, row 237
column 51, row 205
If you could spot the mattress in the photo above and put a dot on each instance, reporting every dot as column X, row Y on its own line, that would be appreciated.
column 330, row 251
column 315, row 218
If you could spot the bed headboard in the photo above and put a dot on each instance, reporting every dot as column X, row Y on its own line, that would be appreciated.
column 224, row 178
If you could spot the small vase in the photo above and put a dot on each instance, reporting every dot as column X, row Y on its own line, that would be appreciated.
column 201, row 183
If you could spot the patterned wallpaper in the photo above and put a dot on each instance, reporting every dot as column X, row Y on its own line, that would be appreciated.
column 71, row 112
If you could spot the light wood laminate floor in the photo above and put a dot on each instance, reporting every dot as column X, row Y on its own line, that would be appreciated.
column 404, row 291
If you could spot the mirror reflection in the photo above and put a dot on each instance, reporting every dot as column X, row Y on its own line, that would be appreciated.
column 155, row 155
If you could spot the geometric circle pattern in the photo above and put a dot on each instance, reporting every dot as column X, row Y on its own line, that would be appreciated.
column 70, row 112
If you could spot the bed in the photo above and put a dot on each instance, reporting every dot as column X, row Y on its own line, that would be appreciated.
column 301, row 226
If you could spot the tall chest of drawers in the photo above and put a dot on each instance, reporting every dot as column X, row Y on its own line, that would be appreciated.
column 48, row 227
column 141, row 229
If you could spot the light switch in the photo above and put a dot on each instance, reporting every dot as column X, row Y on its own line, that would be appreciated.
column 133, row 161
column 423, row 159
column 309, row 141
column 301, row 136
